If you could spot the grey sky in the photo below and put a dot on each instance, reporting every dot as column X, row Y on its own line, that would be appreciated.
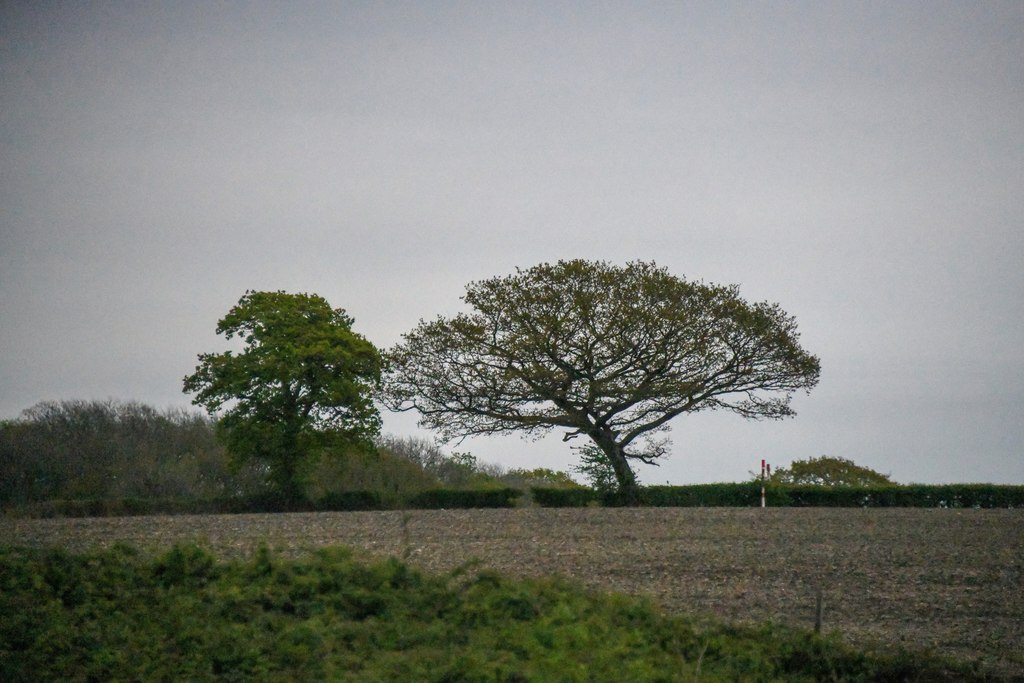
column 860, row 163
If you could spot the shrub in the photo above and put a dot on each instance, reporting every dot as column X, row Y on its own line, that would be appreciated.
column 829, row 471
column 539, row 477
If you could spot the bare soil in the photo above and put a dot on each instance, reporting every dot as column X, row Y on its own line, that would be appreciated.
column 947, row 581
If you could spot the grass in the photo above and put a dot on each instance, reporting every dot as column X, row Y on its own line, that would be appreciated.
column 183, row 614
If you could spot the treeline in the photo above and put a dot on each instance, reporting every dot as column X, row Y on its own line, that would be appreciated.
column 86, row 458
column 104, row 450
column 103, row 458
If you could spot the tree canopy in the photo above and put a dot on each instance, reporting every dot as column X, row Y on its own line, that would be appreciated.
column 303, row 382
column 829, row 471
column 611, row 353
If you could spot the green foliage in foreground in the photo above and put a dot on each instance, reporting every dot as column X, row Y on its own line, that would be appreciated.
column 120, row 615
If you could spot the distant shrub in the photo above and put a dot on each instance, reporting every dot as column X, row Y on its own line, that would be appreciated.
column 829, row 471
column 539, row 477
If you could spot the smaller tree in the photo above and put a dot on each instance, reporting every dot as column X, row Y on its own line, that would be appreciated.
column 595, row 469
column 829, row 471
column 303, row 383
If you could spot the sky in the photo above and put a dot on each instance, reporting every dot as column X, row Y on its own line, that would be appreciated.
column 859, row 163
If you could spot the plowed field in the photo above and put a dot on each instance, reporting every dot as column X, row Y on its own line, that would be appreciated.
column 950, row 581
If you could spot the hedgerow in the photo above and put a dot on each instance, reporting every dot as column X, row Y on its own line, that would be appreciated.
column 748, row 494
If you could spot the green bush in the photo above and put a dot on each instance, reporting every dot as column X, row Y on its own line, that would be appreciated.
column 182, row 615
column 434, row 499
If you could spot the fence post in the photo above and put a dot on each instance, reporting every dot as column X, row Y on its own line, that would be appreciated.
column 819, row 610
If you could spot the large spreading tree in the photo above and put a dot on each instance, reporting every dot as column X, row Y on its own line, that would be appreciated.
column 303, row 382
column 606, row 352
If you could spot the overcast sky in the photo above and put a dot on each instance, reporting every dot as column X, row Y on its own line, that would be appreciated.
column 860, row 163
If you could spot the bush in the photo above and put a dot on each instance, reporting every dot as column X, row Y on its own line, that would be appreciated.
column 829, row 471
column 539, row 477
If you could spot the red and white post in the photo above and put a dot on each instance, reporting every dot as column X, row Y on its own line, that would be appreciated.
column 765, row 468
column 762, row 482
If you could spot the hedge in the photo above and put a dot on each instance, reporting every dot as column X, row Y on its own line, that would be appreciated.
column 702, row 495
column 343, row 501
column 564, row 498
column 748, row 494
column 434, row 499
column 913, row 495
column 259, row 503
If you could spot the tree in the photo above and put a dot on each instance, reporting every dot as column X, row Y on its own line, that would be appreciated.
column 303, row 383
column 610, row 353
column 829, row 471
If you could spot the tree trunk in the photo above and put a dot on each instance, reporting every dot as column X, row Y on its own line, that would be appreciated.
column 285, row 467
column 286, row 480
column 629, row 490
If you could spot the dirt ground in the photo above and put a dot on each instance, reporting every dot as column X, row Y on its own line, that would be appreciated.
column 947, row 581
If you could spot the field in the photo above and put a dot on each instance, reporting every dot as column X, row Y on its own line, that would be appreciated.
column 948, row 581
